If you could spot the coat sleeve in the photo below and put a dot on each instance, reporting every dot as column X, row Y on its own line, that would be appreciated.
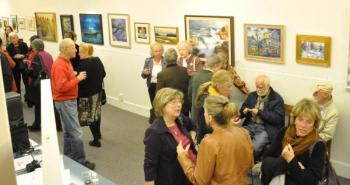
column 152, row 144
column 61, row 79
column 245, row 105
column 327, row 132
column 313, row 171
column 273, row 115
column 146, row 65
column 202, row 172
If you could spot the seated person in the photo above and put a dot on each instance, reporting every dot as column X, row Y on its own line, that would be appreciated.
column 297, row 151
column 329, row 112
column 263, row 111
column 226, row 155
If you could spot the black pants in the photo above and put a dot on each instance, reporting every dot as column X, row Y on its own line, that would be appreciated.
column 96, row 129
column 152, row 93
column 18, row 74
column 37, row 117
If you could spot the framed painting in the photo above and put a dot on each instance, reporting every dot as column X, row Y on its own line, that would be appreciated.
column 315, row 50
column 30, row 23
column 142, row 33
column 209, row 32
column 264, row 42
column 13, row 22
column 66, row 24
column 21, row 23
column 166, row 35
column 119, row 30
column 91, row 28
column 1, row 23
column 5, row 21
column 46, row 26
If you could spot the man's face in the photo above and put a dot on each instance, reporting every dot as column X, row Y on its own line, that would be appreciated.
column 321, row 96
column 261, row 88
column 70, row 51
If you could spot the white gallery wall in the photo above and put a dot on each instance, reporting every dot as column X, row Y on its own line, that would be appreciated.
column 126, row 89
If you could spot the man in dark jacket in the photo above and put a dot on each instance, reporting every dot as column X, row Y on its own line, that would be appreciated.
column 263, row 111
column 176, row 77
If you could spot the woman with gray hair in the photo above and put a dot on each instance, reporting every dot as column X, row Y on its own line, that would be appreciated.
column 40, row 68
column 176, row 77
column 191, row 62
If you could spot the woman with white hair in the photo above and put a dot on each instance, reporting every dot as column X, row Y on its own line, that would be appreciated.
column 187, row 59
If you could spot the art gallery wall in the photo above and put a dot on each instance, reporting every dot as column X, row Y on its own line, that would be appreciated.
column 126, row 89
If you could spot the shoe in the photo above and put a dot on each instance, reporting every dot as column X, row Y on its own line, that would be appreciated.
column 34, row 128
column 89, row 165
column 95, row 143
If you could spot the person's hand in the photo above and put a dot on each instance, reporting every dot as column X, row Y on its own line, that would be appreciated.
column 82, row 75
column 146, row 71
column 246, row 110
column 180, row 149
column 301, row 165
column 236, row 121
column 254, row 111
column 75, row 73
column 288, row 153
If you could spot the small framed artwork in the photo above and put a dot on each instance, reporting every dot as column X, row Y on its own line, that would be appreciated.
column 5, row 21
column 91, row 28
column 209, row 32
column 315, row 50
column 166, row 35
column 13, row 22
column 119, row 30
column 21, row 23
column 142, row 33
column 1, row 23
column 30, row 23
column 66, row 24
column 264, row 42
column 46, row 26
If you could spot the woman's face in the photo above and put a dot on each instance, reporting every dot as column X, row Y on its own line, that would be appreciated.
column 7, row 30
column 173, row 108
column 304, row 125
column 226, row 89
column 83, row 54
column 183, row 52
column 207, row 117
column 157, row 52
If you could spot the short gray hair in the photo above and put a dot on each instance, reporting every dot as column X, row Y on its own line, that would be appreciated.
column 213, row 61
column 185, row 44
column 170, row 56
column 65, row 44
column 264, row 78
column 38, row 45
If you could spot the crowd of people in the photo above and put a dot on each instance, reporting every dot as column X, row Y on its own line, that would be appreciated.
column 199, row 136
column 76, row 81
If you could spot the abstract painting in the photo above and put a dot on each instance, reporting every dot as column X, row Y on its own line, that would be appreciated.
column 119, row 30
column 91, row 28
column 46, row 26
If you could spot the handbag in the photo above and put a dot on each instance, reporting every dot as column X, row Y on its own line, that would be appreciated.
column 103, row 95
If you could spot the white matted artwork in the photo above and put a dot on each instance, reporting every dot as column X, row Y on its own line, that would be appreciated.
column 22, row 23
column 30, row 22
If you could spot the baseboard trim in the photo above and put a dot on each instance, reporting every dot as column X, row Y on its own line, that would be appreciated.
column 129, row 106
column 341, row 168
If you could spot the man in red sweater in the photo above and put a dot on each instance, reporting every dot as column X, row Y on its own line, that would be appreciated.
column 65, row 92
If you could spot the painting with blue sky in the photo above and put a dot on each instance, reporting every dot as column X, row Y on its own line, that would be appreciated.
column 91, row 28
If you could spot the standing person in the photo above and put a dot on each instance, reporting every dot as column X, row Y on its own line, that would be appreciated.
column 176, row 77
column 75, row 61
column 65, row 93
column 5, row 38
column 18, row 50
column 290, row 152
column 40, row 68
column 161, row 138
column 226, row 155
column 9, row 80
column 89, row 102
column 191, row 62
column 153, row 65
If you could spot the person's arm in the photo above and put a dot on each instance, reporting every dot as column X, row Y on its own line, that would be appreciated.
column 273, row 115
column 327, row 132
column 10, row 60
column 202, row 172
column 152, row 144
column 62, row 81
column 145, row 66
column 243, row 111
column 313, row 171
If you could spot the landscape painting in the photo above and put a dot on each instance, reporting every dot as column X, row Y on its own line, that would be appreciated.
column 264, row 42
column 91, row 28
column 166, row 35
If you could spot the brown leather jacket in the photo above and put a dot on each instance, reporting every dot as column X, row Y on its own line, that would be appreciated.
column 224, row 158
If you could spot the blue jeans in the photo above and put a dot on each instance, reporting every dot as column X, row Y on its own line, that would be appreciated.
column 73, row 145
column 259, row 136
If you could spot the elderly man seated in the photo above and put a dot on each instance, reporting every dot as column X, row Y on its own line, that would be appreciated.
column 263, row 111
column 329, row 112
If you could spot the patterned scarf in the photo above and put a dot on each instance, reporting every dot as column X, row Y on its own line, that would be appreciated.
column 260, row 103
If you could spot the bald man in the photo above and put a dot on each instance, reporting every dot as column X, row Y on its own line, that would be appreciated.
column 263, row 111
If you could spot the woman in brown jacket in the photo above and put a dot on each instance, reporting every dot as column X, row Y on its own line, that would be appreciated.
column 226, row 155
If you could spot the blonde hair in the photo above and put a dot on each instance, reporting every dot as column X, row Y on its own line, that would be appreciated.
column 306, row 108
column 185, row 44
column 219, row 79
column 153, row 46
column 88, row 48
column 221, row 109
column 163, row 97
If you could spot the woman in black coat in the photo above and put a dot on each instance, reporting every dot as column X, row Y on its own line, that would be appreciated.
column 161, row 166
column 297, row 151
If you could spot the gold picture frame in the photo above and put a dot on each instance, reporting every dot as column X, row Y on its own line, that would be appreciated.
column 119, row 30
column 264, row 42
column 142, row 33
column 314, row 50
column 46, row 26
column 166, row 35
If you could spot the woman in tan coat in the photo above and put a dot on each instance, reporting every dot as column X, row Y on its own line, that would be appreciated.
column 226, row 155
